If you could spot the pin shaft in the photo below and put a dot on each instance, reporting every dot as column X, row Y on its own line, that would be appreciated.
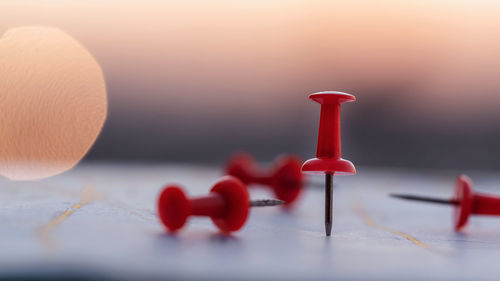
column 425, row 199
column 266, row 202
column 314, row 185
column 328, row 203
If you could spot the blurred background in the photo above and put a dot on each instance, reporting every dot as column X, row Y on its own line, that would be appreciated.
column 194, row 81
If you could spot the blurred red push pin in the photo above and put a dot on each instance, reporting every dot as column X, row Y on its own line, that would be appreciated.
column 466, row 202
column 227, row 205
column 329, row 154
column 284, row 178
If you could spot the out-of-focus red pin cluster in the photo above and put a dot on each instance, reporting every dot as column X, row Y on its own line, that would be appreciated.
column 284, row 178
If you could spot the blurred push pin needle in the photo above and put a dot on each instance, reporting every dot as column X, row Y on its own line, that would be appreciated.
column 227, row 205
column 329, row 154
column 466, row 202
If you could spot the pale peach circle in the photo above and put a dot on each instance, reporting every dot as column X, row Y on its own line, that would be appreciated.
column 53, row 102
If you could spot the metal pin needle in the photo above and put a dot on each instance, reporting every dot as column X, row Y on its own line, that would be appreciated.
column 328, row 203
column 425, row 199
column 266, row 202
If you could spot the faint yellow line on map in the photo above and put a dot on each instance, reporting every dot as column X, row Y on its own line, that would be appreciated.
column 88, row 194
column 136, row 211
column 361, row 212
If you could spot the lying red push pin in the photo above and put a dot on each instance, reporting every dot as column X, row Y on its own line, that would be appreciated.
column 466, row 202
column 284, row 178
column 329, row 154
column 227, row 205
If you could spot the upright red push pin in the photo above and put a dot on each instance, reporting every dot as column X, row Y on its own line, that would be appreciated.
column 284, row 178
column 227, row 205
column 329, row 154
column 466, row 202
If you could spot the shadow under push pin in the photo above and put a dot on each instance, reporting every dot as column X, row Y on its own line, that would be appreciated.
column 284, row 178
column 466, row 202
column 329, row 154
column 227, row 205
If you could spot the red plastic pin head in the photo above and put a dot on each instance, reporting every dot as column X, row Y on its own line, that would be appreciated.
column 227, row 205
column 242, row 166
column 173, row 207
column 285, row 177
column 237, row 201
column 329, row 151
column 464, row 195
column 472, row 203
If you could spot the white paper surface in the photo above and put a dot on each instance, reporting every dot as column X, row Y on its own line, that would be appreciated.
column 98, row 221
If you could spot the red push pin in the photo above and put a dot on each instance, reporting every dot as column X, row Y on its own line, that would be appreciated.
column 466, row 202
column 329, row 154
column 284, row 178
column 227, row 205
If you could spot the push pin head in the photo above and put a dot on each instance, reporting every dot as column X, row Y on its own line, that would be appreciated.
column 285, row 177
column 227, row 205
column 329, row 151
column 242, row 166
column 464, row 196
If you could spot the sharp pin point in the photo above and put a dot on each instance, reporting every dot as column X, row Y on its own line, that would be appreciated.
column 425, row 199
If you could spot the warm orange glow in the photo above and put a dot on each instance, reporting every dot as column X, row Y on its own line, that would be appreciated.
column 52, row 104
